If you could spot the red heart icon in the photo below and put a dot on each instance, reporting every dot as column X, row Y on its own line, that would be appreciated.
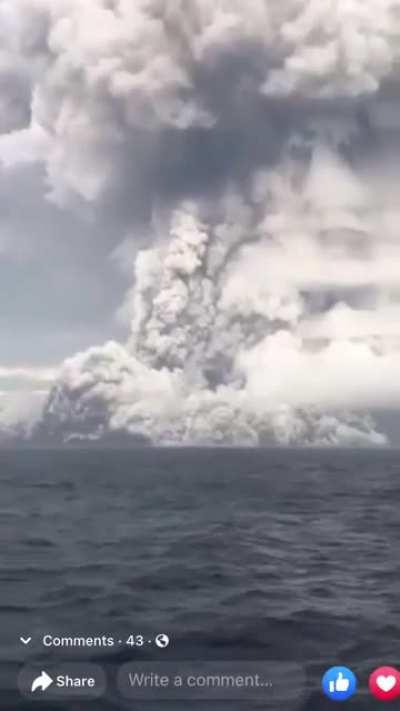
column 384, row 683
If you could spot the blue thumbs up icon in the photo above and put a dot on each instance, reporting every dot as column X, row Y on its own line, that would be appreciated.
column 339, row 684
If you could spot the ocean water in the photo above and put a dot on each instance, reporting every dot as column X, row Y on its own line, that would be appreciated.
column 236, row 554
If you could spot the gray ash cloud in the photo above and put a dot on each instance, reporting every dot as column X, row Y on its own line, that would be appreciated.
column 245, row 156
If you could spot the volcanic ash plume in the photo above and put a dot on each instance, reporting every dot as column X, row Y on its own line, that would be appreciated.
column 251, row 152
column 216, row 353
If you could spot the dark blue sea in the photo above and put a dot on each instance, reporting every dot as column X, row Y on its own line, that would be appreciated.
column 236, row 554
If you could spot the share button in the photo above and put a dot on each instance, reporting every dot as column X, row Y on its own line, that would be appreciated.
column 65, row 681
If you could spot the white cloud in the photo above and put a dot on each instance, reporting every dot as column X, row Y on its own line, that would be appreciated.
column 343, row 374
column 39, row 375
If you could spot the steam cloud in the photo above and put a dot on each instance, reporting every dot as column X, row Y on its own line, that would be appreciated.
column 252, row 151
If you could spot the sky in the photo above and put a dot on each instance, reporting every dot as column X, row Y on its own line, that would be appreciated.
column 199, row 216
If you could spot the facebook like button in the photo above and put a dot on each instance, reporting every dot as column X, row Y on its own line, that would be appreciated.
column 339, row 684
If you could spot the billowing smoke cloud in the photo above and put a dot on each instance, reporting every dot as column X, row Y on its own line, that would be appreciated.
column 256, row 146
column 106, row 75
column 106, row 391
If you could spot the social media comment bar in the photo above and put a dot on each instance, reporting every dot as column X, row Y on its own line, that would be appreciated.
column 270, row 682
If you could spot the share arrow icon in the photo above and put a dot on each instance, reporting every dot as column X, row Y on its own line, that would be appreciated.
column 42, row 682
column 26, row 640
